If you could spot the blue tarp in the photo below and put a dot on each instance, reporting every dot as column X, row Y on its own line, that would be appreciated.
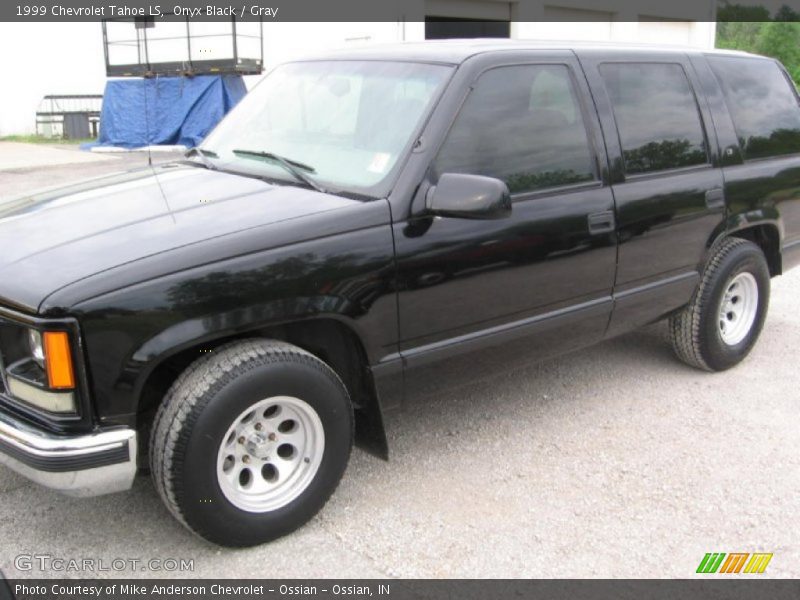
column 166, row 110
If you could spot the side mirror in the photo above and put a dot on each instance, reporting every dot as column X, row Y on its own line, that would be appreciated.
column 469, row 197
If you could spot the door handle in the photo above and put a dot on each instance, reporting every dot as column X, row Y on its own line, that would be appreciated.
column 715, row 198
column 602, row 222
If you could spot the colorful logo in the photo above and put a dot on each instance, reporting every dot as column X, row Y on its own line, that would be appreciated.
column 733, row 562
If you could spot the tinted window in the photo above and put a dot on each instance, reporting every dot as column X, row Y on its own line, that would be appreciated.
column 762, row 103
column 522, row 125
column 657, row 116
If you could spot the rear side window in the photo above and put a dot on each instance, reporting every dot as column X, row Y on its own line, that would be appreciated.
column 762, row 103
column 657, row 116
column 523, row 125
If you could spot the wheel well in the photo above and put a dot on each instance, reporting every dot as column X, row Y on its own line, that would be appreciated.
column 767, row 238
column 327, row 339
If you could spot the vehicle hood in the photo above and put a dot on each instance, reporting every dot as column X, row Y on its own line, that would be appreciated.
column 52, row 239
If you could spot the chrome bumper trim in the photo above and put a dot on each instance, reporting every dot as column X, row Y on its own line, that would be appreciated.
column 79, row 465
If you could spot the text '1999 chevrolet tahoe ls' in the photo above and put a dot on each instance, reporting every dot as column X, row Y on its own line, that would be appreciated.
column 363, row 225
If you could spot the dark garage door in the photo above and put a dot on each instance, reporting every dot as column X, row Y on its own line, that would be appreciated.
column 441, row 28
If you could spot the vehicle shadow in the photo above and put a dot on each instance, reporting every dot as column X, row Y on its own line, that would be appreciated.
column 136, row 524
column 536, row 384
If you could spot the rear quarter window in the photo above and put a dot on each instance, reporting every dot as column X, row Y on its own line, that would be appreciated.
column 762, row 103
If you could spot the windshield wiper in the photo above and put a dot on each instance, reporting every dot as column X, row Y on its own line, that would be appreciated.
column 204, row 156
column 294, row 167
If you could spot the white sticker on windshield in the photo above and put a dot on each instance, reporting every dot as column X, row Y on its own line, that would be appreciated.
column 379, row 162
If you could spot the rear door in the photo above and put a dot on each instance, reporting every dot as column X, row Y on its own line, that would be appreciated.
column 667, row 180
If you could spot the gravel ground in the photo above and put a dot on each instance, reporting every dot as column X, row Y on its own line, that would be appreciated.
column 616, row 461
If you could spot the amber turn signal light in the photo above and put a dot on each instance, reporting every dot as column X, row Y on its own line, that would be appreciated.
column 58, row 357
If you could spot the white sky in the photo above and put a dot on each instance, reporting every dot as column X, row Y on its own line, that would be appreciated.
column 46, row 58
column 37, row 59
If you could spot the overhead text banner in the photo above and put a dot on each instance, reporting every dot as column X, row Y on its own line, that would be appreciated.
column 343, row 10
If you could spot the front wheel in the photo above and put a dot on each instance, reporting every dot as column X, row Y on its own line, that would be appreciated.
column 251, row 441
column 721, row 324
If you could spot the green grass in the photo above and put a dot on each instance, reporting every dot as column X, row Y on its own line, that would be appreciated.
column 40, row 139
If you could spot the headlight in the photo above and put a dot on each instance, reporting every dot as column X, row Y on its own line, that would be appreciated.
column 36, row 346
column 44, row 377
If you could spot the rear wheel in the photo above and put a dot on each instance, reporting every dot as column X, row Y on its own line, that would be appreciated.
column 721, row 324
column 251, row 441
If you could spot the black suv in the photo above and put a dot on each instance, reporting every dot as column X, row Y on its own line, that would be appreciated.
column 367, row 225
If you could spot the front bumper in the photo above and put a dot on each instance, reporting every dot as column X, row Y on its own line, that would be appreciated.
column 79, row 465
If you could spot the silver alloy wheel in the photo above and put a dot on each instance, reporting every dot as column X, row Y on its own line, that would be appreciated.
column 270, row 454
column 738, row 308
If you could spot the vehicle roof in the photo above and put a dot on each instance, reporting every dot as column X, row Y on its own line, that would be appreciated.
column 455, row 51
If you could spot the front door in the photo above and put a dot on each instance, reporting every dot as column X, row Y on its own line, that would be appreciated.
column 482, row 294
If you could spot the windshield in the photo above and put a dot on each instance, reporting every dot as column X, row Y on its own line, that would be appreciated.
column 345, row 123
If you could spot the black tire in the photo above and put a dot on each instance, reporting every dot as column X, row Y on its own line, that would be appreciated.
column 695, row 330
column 204, row 402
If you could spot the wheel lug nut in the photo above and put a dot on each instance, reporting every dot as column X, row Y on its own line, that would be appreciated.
column 272, row 437
column 245, row 459
column 241, row 440
column 258, row 427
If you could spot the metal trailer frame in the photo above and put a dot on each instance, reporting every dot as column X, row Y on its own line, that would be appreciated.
column 144, row 68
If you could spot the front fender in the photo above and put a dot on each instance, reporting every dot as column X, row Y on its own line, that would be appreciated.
column 128, row 333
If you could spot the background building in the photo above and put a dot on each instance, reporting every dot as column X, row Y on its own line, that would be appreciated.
column 67, row 58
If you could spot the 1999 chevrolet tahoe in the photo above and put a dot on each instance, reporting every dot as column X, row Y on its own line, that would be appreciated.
column 364, row 226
